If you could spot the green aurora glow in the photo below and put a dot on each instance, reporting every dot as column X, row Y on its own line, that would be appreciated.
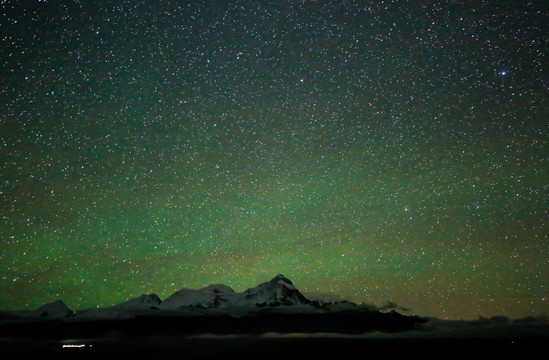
column 392, row 152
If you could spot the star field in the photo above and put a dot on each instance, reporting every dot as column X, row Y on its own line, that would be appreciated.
column 379, row 151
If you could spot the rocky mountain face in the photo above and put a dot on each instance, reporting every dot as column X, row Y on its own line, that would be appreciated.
column 278, row 291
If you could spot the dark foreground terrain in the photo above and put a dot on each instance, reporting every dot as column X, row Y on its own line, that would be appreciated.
column 261, row 335
column 268, row 347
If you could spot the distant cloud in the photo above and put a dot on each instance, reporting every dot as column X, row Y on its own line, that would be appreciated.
column 495, row 326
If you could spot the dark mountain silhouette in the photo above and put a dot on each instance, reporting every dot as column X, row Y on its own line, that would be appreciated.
column 273, row 318
column 276, row 305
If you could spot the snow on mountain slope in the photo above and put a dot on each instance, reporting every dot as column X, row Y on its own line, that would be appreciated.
column 54, row 310
column 216, row 295
column 278, row 291
column 149, row 301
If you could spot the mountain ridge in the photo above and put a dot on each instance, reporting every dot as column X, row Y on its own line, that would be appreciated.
column 279, row 291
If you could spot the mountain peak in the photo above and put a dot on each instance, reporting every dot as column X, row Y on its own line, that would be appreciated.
column 217, row 289
column 282, row 278
column 56, row 309
column 278, row 291
column 145, row 301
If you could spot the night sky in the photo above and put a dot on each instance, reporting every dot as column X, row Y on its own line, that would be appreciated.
column 371, row 150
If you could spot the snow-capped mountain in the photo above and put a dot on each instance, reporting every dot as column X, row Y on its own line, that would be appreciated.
column 126, row 309
column 53, row 310
column 278, row 291
column 150, row 301
column 216, row 295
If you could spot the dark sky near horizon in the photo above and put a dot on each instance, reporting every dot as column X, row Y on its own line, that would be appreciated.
column 376, row 150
